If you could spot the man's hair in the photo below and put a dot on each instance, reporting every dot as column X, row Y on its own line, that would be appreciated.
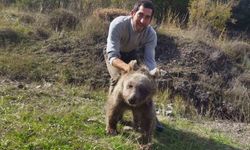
column 146, row 4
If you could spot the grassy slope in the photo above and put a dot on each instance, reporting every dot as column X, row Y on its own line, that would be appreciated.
column 46, row 116
column 55, row 116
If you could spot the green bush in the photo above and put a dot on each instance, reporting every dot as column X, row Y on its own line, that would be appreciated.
column 209, row 13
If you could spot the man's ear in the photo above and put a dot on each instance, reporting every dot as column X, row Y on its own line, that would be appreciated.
column 132, row 13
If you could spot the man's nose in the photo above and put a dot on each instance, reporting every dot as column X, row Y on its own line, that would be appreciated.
column 142, row 20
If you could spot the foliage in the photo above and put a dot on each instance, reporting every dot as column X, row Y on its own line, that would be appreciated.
column 241, row 15
column 125, row 4
column 239, row 96
column 9, row 36
column 108, row 14
column 42, row 5
column 63, row 19
column 209, row 13
column 163, row 7
column 7, row 2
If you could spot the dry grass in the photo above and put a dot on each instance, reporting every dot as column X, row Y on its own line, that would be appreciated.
column 239, row 96
column 108, row 14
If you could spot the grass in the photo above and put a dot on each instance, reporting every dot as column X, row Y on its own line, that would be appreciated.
column 47, row 112
column 52, row 116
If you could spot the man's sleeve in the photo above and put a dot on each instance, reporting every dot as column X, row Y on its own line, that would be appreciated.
column 113, row 41
column 149, row 51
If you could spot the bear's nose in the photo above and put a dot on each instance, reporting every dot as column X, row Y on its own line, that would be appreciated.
column 132, row 100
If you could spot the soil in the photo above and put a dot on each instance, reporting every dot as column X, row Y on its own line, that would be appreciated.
column 200, row 73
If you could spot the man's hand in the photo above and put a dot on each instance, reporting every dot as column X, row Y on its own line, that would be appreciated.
column 121, row 65
column 154, row 72
column 157, row 72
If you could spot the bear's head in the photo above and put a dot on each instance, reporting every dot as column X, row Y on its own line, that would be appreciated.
column 137, row 88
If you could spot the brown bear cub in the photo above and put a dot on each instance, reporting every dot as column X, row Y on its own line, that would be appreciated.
column 134, row 91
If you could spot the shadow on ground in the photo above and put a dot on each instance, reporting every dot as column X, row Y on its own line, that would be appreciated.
column 172, row 139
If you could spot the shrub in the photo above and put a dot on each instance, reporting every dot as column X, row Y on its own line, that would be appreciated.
column 97, row 24
column 108, row 14
column 241, row 15
column 42, row 5
column 62, row 19
column 239, row 51
column 238, row 96
column 127, row 4
column 8, row 36
column 7, row 2
column 27, row 19
column 163, row 7
column 41, row 34
column 209, row 13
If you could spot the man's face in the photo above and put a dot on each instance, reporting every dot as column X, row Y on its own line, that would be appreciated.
column 141, row 19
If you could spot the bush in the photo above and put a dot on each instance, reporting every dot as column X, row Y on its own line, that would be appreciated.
column 8, row 36
column 27, row 19
column 240, row 52
column 125, row 4
column 241, row 15
column 62, row 19
column 7, row 2
column 238, row 96
column 42, row 5
column 209, row 13
column 108, row 14
column 164, row 7
column 96, row 25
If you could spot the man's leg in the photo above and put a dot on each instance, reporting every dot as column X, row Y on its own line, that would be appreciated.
column 113, row 72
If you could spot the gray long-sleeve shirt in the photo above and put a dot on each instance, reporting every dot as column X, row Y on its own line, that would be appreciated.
column 122, row 37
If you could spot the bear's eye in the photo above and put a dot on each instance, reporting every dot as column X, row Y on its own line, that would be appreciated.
column 130, row 86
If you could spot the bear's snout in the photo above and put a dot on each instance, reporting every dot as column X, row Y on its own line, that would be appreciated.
column 132, row 100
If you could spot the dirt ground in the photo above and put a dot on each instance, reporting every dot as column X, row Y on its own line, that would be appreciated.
column 237, row 131
column 201, row 74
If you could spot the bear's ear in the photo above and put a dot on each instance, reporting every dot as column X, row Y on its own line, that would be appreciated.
column 134, row 65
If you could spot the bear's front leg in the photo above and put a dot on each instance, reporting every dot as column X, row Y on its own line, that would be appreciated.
column 147, row 124
column 113, row 115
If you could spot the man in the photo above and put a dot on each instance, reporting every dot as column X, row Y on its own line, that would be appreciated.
column 127, row 35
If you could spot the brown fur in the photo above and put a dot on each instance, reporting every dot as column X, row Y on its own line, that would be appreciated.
column 134, row 91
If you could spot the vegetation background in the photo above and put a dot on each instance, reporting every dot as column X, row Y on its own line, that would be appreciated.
column 54, row 81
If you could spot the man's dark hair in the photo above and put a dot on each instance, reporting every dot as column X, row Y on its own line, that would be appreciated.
column 146, row 4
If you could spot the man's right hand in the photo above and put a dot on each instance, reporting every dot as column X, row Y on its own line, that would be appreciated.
column 118, row 63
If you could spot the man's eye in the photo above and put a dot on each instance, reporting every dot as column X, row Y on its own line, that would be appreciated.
column 140, row 14
column 147, row 17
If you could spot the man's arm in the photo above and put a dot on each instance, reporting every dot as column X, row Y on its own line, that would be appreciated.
column 117, row 62
column 149, row 51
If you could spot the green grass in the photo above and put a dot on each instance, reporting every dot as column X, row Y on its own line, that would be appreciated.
column 72, row 117
column 45, row 112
